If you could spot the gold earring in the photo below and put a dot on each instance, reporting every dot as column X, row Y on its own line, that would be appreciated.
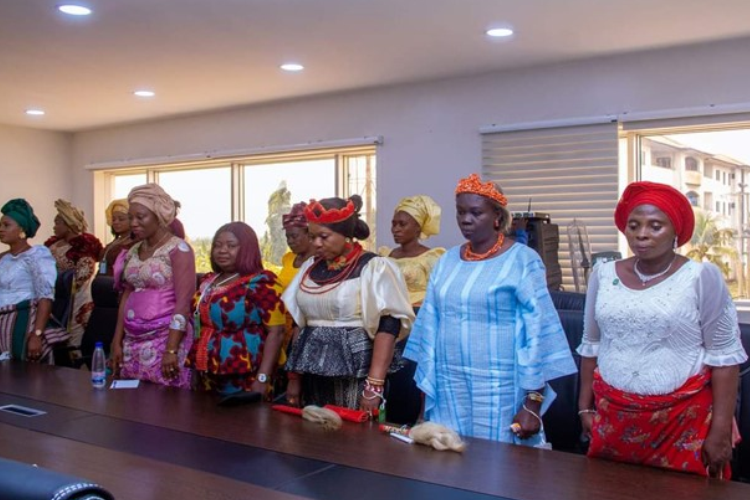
column 22, row 235
column 348, row 240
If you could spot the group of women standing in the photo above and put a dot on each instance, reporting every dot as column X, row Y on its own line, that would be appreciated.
column 28, row 280
column 468, row 338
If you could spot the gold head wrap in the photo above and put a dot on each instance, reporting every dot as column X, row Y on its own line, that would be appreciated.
column 120, row 206
column 153, row 197
column 71, row 216
column 425, row 211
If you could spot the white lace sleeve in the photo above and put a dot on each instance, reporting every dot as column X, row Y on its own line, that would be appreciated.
column 719, row 324
column 289, row 297
column 41, row 265
column 589, row 347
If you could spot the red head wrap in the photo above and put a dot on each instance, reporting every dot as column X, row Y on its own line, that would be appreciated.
column 296, row 217
column 666, row 198
column 318, row 214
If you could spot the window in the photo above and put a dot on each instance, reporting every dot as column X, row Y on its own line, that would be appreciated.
column 257, row 190
column 205, row 195
column 271, row 189
column 691, row 164
column 359, row 178
column 694, row 198
column 663, row 162
column 122, row 184
column 723, row 225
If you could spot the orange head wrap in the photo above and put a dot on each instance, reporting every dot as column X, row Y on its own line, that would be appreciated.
column 474, row 185
column 666, row 198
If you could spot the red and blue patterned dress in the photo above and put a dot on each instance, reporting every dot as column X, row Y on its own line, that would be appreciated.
column 231, row 327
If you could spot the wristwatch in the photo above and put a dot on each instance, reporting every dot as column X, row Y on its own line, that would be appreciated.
column 262, row 378
column 38, row 332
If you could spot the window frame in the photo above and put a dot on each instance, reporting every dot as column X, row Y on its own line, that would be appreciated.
column 238, row 165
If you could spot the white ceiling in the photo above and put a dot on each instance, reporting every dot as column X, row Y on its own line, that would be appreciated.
column 207, row 54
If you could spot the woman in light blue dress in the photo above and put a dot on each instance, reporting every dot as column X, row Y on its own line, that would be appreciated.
column 487, row 338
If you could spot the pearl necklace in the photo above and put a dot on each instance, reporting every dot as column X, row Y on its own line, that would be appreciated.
column 645, row 278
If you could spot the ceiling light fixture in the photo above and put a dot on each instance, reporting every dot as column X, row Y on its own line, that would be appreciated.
column 74, row 10
column 292, row 67
column 144, row 93
column 35, row 112
column 499, row 32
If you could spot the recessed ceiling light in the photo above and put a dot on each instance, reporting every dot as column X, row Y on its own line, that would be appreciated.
column 144, row 93
column 35, row 112
column 74, row 10
column 292, row 67
column 499, row 32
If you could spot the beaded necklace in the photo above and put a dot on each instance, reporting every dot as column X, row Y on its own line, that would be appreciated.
column 471, row 256
column 345, row 270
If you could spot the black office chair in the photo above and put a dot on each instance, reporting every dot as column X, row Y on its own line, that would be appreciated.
column 25, row 482
column 103, row 320
column 62, row 308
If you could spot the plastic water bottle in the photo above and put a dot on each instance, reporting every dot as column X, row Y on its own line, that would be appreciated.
column 99, row 367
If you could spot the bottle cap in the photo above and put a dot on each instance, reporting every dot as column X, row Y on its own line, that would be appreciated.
column 99, row 344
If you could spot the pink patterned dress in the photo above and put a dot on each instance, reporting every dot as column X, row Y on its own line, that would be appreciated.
column 160, row 287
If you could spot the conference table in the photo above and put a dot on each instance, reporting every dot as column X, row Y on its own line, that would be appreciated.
column 158, row 442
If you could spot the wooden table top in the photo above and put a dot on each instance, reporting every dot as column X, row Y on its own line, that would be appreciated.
column 486, row 467
column 122, row 474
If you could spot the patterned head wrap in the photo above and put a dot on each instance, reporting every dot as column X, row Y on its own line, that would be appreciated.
column 153, row 197
column 296, row 217
column 72, row 217
column 425, row 211
column 474, row 185
column 666, row 198
column 20, row 211
column 119, row 206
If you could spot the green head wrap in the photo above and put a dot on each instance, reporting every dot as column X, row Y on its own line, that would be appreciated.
column 20, row 211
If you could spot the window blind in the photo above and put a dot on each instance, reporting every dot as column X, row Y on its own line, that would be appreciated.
column 570, row 172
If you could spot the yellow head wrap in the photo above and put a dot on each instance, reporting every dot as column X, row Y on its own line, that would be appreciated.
column 153, row 197
column 71, row 216
column 425, row 211
column 120, row 206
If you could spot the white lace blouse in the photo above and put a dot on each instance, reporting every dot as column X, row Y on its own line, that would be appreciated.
column 651, row 341
column 379, row 291
column 26, row 276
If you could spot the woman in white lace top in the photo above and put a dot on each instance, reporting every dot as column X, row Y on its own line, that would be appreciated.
column 661, row 345
column 27, row 287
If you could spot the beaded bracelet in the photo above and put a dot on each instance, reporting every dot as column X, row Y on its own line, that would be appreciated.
column 374, row 395
column 374, row 388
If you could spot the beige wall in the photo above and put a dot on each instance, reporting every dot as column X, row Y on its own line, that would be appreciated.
column 36, row 165
column 431, row 129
